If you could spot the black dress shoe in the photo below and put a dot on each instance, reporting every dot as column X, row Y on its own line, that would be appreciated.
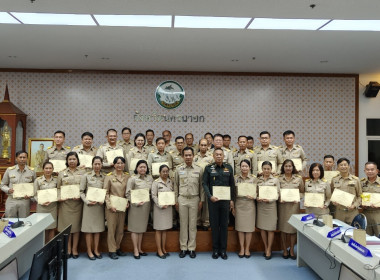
column 205, row 228
column 120, row 253
column 215, row 255
column 285, row 256
column 113, row 255
column 192, row 254
column 143, row 254
column 69, row 256
column 241, row 256
column 75, row 256
column 98, row 256
column 137, row 257
column 182, row 254
column 224, row 255
column 91, row 258
column 162, row 256
column 167, row 254
column 293, row 257
column 268, row 257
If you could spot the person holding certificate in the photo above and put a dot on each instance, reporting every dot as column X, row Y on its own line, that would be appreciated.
column 137, row 152
column 110, row 150
column 58, row 152
column 158, row 157
column 318, row 185
column 86, row 151
column 162, row 213
column 348, row 183
column 115, row 184
column 291, row 151
column 219, row 186
column 243, row 153
column 266, row 152
column 138, row 214
column 70, row 205
column 267, row 207
column 289, row 180
column 245, row 208
column 14, row 176
column 150, row 147
column 93, row 210
column 371, row 185
column 47, row 181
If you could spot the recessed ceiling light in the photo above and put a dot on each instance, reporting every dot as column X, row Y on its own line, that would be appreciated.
column 135, row 20
column 54, row 19
column 293, row 24
column 353, row 25
column 210, row 22
column 7, row 18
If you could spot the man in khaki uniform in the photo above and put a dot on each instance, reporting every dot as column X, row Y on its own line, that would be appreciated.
column 189, row 139
column 328, row 163
column 150, row 146
column 111, row 145
column 291, row 151
column 189, row 195
column 218, row 143
column 58, row 151
column 157, row 156
column 126, row 143
column 227, row 143
column 86, row 148
column 266, row 152
column 250, row 143
column 169, row 146
column 243, row 153
column 20, row 173
column 177, row 153
column 210, row 140
column 371, row 184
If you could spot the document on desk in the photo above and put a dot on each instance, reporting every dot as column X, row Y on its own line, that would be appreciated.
column 96, row 194
column 140, row 195
column 342, row 197
column 260, row 163
column 70, row 192
column 47, row 195
column 166, row 198
column 85, row 160
column 329, row 175
column 290, row 195
column 156, row 168
column 268, row 192
column 112, row 154
column 245, row 189
column 369, row 199
column 119, row 203
column 58, row 164
column 314, row 199
column 22, row 190
column 221, row 192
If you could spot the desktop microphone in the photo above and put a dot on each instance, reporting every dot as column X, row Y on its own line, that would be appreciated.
column 318, row 223
column 18, row 223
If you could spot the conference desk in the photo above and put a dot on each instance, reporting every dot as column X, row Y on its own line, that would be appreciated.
column 29, row 239
column 312, row 245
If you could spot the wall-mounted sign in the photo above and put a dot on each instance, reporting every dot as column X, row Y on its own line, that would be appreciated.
column 170, row 94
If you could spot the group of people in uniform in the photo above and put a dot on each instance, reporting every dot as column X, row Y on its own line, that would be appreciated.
column 192, row 171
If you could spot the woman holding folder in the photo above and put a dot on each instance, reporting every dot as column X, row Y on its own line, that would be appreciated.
column 245, row 209
column 93, row 210
column 137, row 152
column 289, row 180
column 267, row 206
column 159, row 156
column 47, row 181
column 138, row 213
column 162, row 214
column 70, row 208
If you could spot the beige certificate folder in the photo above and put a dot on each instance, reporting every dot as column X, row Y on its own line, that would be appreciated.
column 133, row 164
column 297, row 163
column 314, row 199
column 58, row 164
column 330, row 174
column 290, row 195
column 47, row 195
column 22, row 190
column 140, row 195
column 156, row 168
column 221, row 192
column 245, row 189
column 260, row 168
column 114, row 153
column 369, row 199
column 268, row 192
column 70, row 192
column 166, row 198
column 96, row 194
column 119, row 203
column 85, row 160
column 342, row 197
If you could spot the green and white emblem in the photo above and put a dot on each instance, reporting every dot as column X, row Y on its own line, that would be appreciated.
column 170, row 94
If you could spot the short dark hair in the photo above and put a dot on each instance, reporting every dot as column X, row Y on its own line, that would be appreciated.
column 142, row 161
column 264, row 132
column 178, row 138
column 189, row 133
column 60, row 131
column 87, row 134
column 370, row 162
column 218, row 135
column 328, row 156
column 266, row 163
column 162, row 167
column 209, row 133
column 249, row 138
column 111, row 129
column 187, row 149
column 159, row 138
column 343, row 159
column 288, row 132
column 246, row 161
column 96, row 157
column 72, row 154
column 139, row 135
column 218, row 149
column 242, row 136
column 117, row 158
column 167, row 131
column 126, row 128
column 21, row 152
column 149, row 130
column 312, row 166
column 46, row 163
column 226, row 136
column 294, row 170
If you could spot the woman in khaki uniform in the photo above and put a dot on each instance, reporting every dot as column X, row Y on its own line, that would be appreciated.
column 288, row 180
column 70, row 210
column 245, row 209
column 93, row 212
column 115, row 184
column 160, row 156
column 162, row 214
column 47, row 181
column 138, row 214
column 267, row 209
column 316, row 184
column 137, row 152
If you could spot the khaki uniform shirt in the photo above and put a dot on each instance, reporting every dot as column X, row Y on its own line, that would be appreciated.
column 114, row 186
column 203, row 160
column 295, row 152
column 91, row 180
column 369, row 187
column 69, row 177
column 81, row 151
column 135, row 153
column 228, row 158
column 126, row 146
column 270, row 181
column 150, row 148
column 188, row 181
column 270, row 154
column 250, row 179
column 295, row 182
column 319, row 186
column 238, row 157
column 102, row 152
column 157, row 157
column 41, row 183
column 351, row 184
column 195, row 148
column 13, row 175
column 137, row 182
column 54, row 153
column 177, row 159
column 160, row 186
column 171, row 147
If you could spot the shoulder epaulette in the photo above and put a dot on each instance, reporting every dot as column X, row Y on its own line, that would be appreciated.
column 109, row 174
column 336, row 175
column 298, row 146
column 100, row 146
column 156, row 180
column 363, row 179
column 307, row 180
column 55, row 176
column 251, row 151
column 324, row 180
column 77, row 147
column 355, row 177
column 274, row 147
column 67, row 147
column 171, row 151
column 298, row 175
column 31, row 168
column 89, row 173
column 228, row 150
column 279, row 147
column 152, row 151
column 126, row 173
column 49, row 147
column 12, row 167
column 40, row 177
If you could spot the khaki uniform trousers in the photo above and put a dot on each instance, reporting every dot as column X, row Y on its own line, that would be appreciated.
column 203, row 218
column 345, row 216
column 115, row 224
column 188, row 211
column 373, row 218
column 17, row 208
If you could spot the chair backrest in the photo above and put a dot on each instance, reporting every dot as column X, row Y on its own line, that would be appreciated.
column 360, row 221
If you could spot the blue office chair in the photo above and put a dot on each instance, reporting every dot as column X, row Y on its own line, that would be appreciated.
column 360, row 222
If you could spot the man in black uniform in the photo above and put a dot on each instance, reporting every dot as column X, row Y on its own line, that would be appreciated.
column 219, row 174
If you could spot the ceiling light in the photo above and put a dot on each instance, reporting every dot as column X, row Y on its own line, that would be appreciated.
column 134, row 20
column 293, row 24
column 7, row 18
column 54, row 19
column 353, row 25
column 210, row 22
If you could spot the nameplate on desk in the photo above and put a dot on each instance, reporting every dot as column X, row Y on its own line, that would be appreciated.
column 8, row 231
column 360, row 248
column 308, row 217
column 333, row 233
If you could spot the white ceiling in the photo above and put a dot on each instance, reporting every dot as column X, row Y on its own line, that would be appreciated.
column 168, row 49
